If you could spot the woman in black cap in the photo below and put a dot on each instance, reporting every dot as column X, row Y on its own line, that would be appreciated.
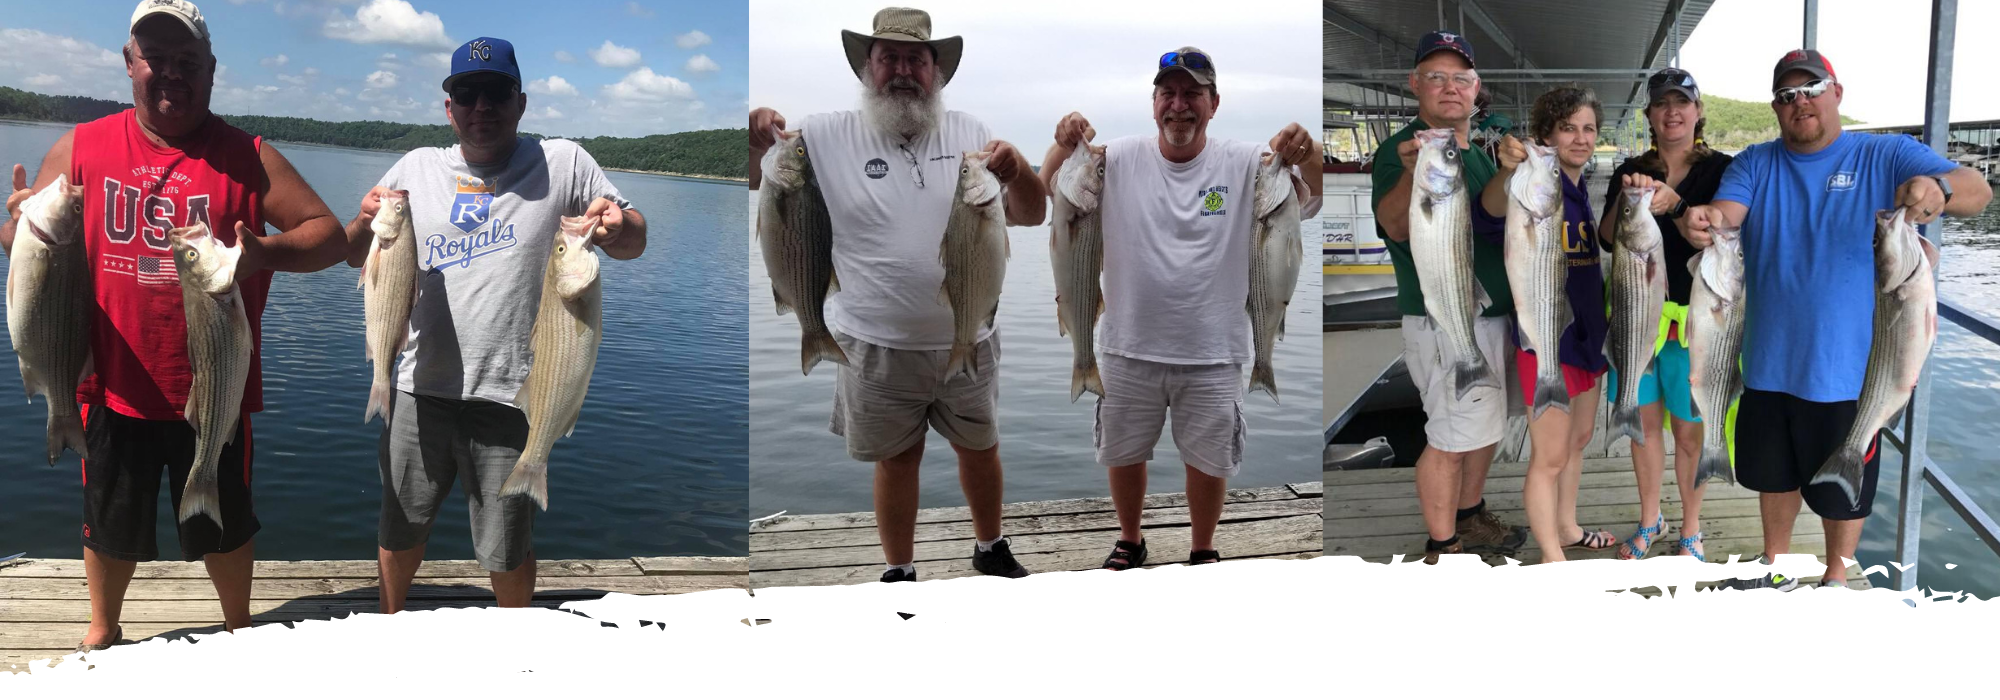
column 1686, row 172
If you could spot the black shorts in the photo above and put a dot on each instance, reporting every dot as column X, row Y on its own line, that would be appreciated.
column 1783, row 440
column 121, row 487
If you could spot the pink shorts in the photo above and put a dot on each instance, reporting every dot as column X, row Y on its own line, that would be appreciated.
column 1575, row 379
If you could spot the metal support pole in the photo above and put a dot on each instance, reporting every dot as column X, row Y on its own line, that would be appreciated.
column 1917, row 418
column 1812, row 25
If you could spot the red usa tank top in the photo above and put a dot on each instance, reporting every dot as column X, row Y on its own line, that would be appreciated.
column 134, row 191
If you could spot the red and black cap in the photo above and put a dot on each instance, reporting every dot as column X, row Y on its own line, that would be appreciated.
column 1806, row 60
column 1442, row 40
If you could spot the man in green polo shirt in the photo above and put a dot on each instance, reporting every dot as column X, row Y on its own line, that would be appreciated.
column 1461, row 432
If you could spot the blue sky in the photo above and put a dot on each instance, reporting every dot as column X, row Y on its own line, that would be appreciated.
column 593, row 67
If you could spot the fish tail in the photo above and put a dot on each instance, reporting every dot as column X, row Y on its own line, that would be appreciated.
column 529, row 479
column 1550, row 391
column 378, row 401
column 1262, row 377
column 1625, row 417
column 1714, row 463
column 1472, row 372
column 201, row 497
column 1843, row 469
column 961, row 362
column 820, row 346
column 65, row 431
column 1085, row 378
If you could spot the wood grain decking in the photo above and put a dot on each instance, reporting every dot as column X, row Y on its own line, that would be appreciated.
column 45, row 606
column 1067, row 535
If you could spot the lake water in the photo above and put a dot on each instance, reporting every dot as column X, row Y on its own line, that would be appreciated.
column 656, row 466
column 1046, row 446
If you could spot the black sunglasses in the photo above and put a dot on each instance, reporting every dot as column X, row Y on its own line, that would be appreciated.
column 1190, row 59
column 1673, row 76
column 468, row 94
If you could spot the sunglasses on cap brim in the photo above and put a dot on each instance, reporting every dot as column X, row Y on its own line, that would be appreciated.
column 1785, row 96
column 1190, row 59
column 468, row 94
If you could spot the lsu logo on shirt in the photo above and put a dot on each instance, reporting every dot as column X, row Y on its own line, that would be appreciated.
column 471, row 212
column 1214, row 200
column 1841, row 181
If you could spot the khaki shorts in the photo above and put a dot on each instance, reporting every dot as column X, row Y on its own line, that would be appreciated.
column 1207, row 402
column 882, row 403
column 1457, row 424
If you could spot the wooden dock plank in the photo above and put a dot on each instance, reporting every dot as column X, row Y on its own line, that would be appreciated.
column 764, row 543
column 1159, row 553
column 692, row 566
column 926, row 516
column 567, row 587
column 66, row 568
column 1272, row 536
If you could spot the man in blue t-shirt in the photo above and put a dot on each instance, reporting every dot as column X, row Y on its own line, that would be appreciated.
column 1806, row 204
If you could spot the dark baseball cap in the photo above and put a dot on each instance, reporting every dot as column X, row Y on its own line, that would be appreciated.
column 483, row 55
column 1672, row 80
column 1806, row 60
column 1187, row 58
column 1441, row 40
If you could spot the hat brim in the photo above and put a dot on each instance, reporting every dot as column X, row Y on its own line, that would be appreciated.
column 949, row 50
column 1199, row 79
column 455, row 77
column 1442, row 47
column 1690, row 93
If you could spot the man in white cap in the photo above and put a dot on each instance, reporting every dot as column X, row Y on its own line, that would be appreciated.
column 888, row 223
column 1177, row 249
column 168, row 163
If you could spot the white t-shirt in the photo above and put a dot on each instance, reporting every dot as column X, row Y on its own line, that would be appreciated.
column 1177, row 252
column 886, row 228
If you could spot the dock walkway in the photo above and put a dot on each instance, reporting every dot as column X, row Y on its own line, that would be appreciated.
column 45, row 606
column 811, row 550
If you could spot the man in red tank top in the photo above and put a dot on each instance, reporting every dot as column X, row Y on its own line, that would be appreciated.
column 164, row 164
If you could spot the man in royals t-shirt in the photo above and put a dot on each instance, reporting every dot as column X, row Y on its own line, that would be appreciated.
column 485, row 213
column 888, row 172
column 1177, row 218
column 1806, row 204
column 164, row 164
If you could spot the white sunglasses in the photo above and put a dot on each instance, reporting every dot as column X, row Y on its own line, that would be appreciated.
column 1785, row 96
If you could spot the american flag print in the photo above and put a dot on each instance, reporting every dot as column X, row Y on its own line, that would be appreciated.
column 158, row 272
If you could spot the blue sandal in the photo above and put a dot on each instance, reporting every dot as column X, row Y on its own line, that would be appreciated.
column 1642, row 540
column 1691, row 546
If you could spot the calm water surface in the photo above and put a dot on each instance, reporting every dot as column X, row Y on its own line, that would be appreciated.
column 656, row 466
column 1045, row 440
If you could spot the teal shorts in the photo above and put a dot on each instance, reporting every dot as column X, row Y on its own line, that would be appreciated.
column 1669, row 379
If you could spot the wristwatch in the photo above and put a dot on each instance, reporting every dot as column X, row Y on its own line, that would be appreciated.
column 1680, row 209
column 1945, row 185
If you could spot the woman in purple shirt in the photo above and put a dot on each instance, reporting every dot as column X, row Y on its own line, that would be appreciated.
column 1564, row 118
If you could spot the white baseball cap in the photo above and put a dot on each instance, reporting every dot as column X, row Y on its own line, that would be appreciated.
column 181, row 10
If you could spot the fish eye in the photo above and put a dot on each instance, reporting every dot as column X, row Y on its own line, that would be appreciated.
column 1100, row 171
column 76, row 208
column 964, row 170
column 192, row 254
column 1451, row 154
column 800, row 150
column 560, row 248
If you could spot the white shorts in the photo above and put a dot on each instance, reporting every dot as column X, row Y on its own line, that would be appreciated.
column 1207, row 402
column 883, row 403
column 1451, row 423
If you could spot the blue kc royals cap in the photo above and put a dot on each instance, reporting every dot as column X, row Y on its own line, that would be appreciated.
column 483, row 55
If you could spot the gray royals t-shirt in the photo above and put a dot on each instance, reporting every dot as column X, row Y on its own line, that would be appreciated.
column 484, row 234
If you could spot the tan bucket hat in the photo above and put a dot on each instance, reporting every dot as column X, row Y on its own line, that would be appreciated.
column 903, row 24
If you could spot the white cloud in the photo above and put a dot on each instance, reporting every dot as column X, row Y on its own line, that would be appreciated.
column 565, row 57
column 274, row 61
column 637, row 10
column 692, row 40
column 381, row 80
column 389, row 22
column 267, row 88
column 440, row 60
column 701, row 63
column 77, row 67
column 341, row 92
column 44, row 80
column 614, row 56
column 552, row 85
column 390, row 56
column 644, row 85
column 545, row 114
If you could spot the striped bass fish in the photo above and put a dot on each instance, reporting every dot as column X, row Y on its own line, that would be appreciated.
column 1275, row 256
column 1441, row 249
column 796, row 235
column 50, row 305
column 974, row 254
column 1538, row 270
column 1076, row 251
column 1905, row 327
column 218, row 351
column 1638, row 293
column 568, row 326
column 1715, row 341
column 389, row 292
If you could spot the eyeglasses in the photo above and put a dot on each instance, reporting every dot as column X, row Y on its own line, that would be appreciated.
column 1194, row 60
column 916, row 171
column 1785, row 96
column 467, row 95
column 1438, row 78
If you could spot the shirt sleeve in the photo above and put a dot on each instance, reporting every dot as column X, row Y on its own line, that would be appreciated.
column 591, row 182
column 1737, row 177
column 394, row 178
column 1386, row 168
column 1487, row 226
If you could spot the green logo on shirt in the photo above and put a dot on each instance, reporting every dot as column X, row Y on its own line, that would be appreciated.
column 1212, row 201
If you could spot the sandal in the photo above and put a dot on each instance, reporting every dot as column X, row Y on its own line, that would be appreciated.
column 1203, row 556
column 1691, row 546
column 1642, row 540
column 1593, row 540
column 1126, row 555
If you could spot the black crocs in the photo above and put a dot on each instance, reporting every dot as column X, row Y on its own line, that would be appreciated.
column 1204, row 556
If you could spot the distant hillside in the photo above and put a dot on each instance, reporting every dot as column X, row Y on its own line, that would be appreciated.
column 1734, row 124
column 714, row 153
